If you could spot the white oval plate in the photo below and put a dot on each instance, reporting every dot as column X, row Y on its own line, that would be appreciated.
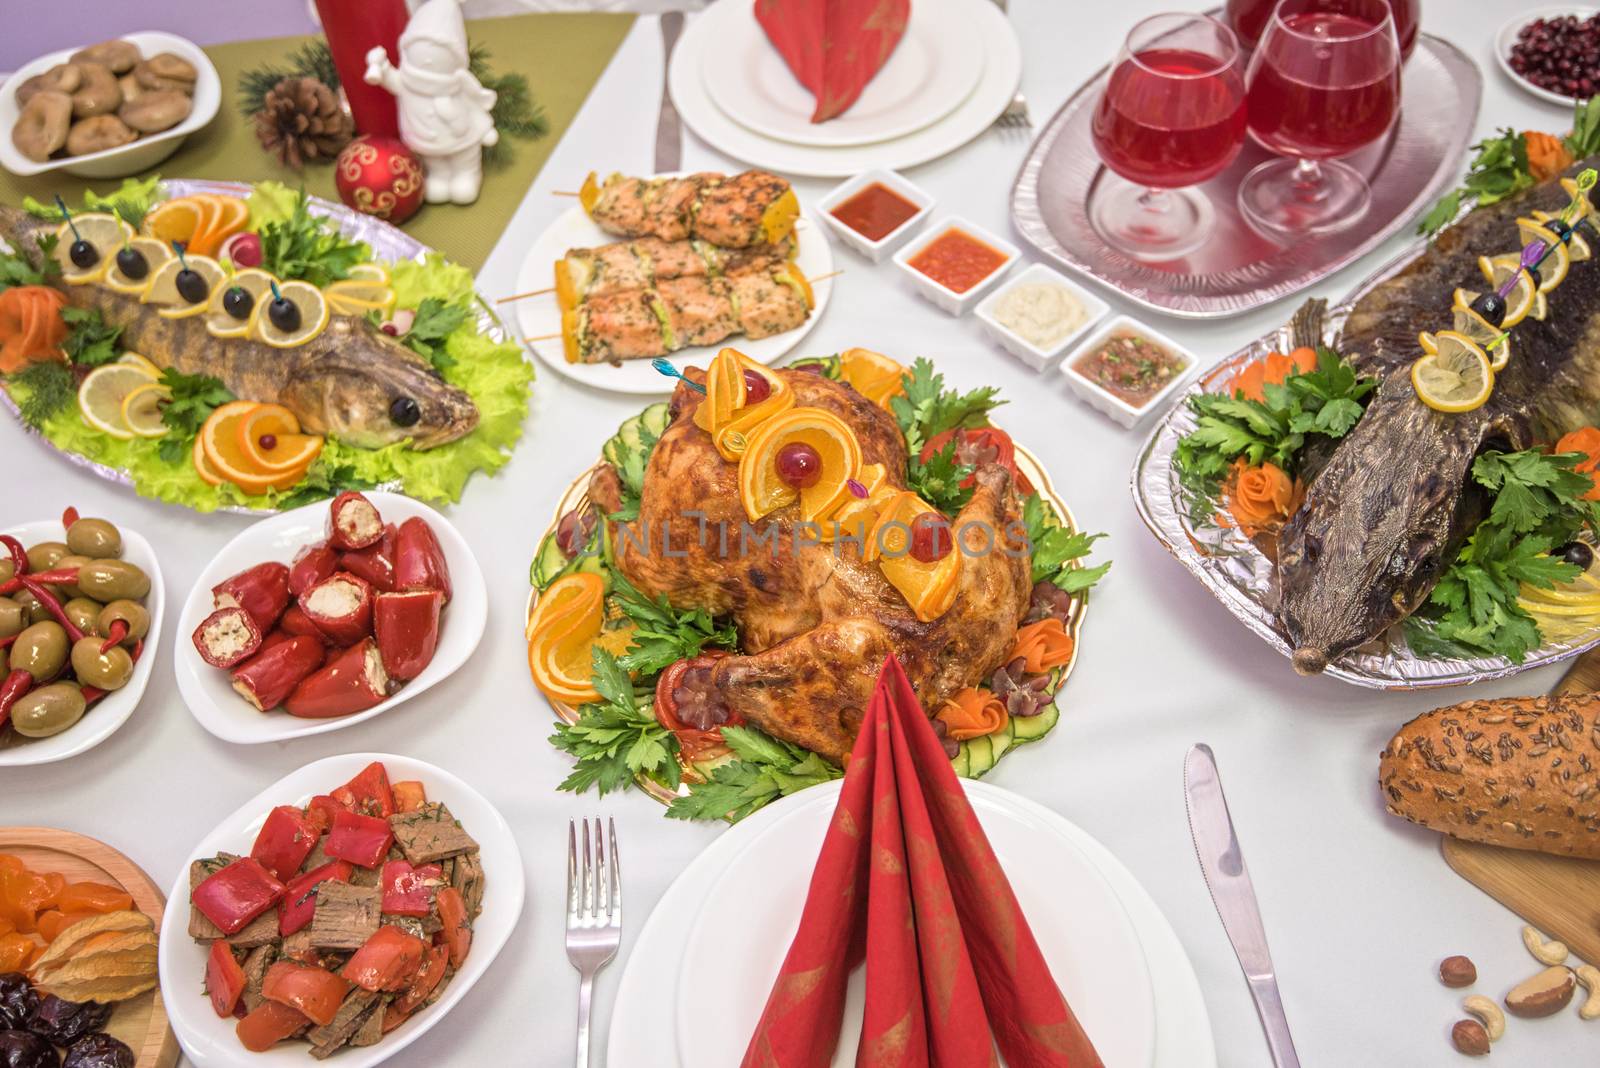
column 209, row 1040
column 111, row 711
column 753, row 909
column 207, row 690
column 135, row 156
column 929, row 74
column 1507, row 37
column 993, row 37
column 539, row 317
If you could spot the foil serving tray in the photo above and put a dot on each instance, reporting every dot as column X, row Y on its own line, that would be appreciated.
column 1240, row 576
column 1239, row 269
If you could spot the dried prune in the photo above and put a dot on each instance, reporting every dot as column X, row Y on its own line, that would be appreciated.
column 99, row 1050
column 23, row 1049
column 64, row 1022
column 17, row 1000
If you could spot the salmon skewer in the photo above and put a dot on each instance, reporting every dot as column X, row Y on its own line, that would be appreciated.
column 751, row 208
column 585, row 273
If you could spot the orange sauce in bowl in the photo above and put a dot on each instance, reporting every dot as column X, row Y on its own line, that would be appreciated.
column 875, row 212
column 957, row 260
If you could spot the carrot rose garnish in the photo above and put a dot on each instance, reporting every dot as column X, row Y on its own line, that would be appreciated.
column 972, row 714
column 1272, row 369
column 1042, row 646
column 31, row 327
column 1260, row 499
column 1547, row 155
column 1586, row 441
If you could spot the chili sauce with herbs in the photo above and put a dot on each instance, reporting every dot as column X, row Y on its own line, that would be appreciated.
column 1130, row 367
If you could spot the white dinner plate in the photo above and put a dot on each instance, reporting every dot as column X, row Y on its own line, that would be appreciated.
column 210, row 1041
column 645, row 1017
column 1507, row 37
column 102, row 718
column 992, row 38
column 540, row 317
column 927, row 76
column 208, row 691
column 753, row 911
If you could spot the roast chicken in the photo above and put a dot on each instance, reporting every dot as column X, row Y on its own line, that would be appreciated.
column 815, row 621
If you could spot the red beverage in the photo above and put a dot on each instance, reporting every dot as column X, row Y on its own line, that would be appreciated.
column 1249, row 17
column 1312, row 102
column 1169, row 118
column 352, row 28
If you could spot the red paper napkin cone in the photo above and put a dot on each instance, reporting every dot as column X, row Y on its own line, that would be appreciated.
column 907, row 880
column 834, row 47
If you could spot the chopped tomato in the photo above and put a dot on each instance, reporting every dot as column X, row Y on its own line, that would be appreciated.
column 387, row 961
column 368, row 793
column 457, row 930
column 286, row 839
column 393, row 1018
column 321, row 810
column 693, row 742
column 985, row 444
column 362, row 840
column 409, row 891
column 425, row 982
column 315, row 992
column 268, row 1024
column 224, row 978
column 409, row 796
column 95, row 897
column 237, row 894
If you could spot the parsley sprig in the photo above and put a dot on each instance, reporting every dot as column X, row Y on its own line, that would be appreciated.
column 764, row 769
column 435, row 321
column 663, row 634
column 630, row 472
column 310, row 247
column 1538, row 504
column 17, row 270
column 193, row 399
column 90, row 341
column 1055, row 547
column 927, row 409
column 616, row 737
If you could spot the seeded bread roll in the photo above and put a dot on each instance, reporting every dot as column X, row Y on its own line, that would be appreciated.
column 1521, row 772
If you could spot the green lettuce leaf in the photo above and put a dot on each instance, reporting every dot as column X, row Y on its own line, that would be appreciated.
column 271, row 202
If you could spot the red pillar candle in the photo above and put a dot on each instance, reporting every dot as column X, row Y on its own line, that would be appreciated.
column 353, row 27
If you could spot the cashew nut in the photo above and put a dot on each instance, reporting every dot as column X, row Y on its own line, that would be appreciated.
column 1488, row 1014
column 1589, row 978
column 1551, row 952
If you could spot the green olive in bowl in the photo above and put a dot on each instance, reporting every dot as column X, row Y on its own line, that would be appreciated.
column 113, row 580
column 48, row 710
column 94, row 538
column 43, row 556
column 40, row 650
column 109, row 670
column 130, row 613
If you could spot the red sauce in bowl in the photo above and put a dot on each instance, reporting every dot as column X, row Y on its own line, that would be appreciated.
column 875, row 212
column 957, row 260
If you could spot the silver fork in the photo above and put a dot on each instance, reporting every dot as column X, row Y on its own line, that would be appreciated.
column 594, row 916
column 1015, row 116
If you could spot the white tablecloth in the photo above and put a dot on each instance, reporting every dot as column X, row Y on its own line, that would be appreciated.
column 1359, row 907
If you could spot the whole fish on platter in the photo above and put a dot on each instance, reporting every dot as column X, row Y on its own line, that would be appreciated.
column 345, row 382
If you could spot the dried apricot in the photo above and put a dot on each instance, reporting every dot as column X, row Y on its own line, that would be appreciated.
column 94, row 897
column 15, row 952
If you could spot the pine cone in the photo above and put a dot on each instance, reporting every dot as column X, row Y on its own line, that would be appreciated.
column 300, row 119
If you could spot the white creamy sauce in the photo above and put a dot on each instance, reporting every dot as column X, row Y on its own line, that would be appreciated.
column 1041, row 313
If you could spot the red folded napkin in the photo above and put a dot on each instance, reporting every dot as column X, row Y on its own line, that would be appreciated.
column 834, row 47
column 907, row 880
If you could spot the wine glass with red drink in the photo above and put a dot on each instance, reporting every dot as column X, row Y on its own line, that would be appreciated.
column 1324, row 82
column 1171, row 116
column 1249, row 18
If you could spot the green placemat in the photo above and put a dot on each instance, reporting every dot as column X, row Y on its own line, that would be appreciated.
column 562, row 56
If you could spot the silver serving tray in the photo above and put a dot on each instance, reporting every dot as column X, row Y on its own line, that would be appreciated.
column 1238, row 269
column 389, row 244
column 1240, row 575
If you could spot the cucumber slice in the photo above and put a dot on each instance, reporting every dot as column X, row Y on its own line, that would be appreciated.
column 656, row 418
column 1032, row 728
column 611, row 451
column 548, row 563
column 962, row 762
column 982, row 758
column 628, row 434
column 999, row 742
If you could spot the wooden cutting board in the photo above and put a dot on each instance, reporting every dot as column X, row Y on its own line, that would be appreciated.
column 141, row 1022
column 1558, row 895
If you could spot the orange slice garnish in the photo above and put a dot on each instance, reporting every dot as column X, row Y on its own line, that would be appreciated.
column 228, row 217
column 174, row 220
column 872, row 374
column 929, row 588
column 277, row 425
column 561, row 636
column 202, row 466
column 762, row 491
column 219, row 438
column 856, row 517
column 726, row 413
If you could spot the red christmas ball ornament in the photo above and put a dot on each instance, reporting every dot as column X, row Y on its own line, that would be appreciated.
column 379, row 176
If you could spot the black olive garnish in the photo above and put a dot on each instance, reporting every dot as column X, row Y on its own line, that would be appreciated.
column 83, row 254
column 1576, row 553
column 403, row 411
column 131, row 262
column 192, row 287
column 1492, row 306
column 238, row 302
column 284, row 314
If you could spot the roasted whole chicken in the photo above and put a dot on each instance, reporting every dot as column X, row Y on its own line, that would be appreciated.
column 815, row 621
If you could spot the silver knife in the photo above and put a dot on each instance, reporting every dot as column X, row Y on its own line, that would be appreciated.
column 1228, row 879
column 669, row 128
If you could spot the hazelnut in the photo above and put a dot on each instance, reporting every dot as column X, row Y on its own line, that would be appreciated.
column 1469, row 1037
column 1544, row 994
column 1457, row 971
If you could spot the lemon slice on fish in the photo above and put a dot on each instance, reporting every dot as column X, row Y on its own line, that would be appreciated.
column 221, row 322
column 358, row 296
column 102, row 394
column 104, row 233
column 1576, row 243
column 1524, row 299
column 141, row 410
column 312, row 309
column 1429, row 343
column 155, row 253
column 141, row 362
column 368, row 272
column 1557, row 259
column 1482, row 332
column 1457, row 378
column 163, row 289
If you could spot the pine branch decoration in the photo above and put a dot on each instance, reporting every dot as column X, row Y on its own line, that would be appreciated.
column 312, row 60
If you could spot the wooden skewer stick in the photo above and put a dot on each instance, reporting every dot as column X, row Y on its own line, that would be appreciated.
column 545, row 337
column 825, row 277
column 529, row 293
column 564, row 193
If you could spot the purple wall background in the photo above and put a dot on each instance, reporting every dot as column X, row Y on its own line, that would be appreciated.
column 39, row 26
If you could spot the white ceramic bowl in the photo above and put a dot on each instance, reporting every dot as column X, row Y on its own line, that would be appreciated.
column 1102, row 399
column 1507, row 38
column 110, row 712
column 135, row 156
column 210, row 1041
column 1094, row 310
column 208, row 691
column 940, row 295
column 888, row 243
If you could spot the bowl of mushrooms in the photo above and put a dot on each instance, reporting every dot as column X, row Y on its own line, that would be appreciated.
column 106, row 110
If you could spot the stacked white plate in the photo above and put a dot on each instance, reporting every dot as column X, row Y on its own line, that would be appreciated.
column 698, row 977
column 952, row 74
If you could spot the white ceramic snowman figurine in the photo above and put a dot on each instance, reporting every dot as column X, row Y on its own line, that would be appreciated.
column 444, row 111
